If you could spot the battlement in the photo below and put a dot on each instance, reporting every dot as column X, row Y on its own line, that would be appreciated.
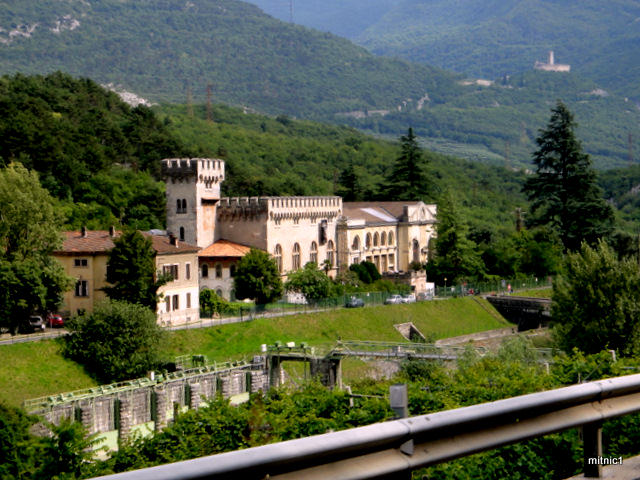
column 281, row 207
column 209, row 170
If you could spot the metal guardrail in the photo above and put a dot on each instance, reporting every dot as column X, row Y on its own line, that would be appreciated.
column 400, row 446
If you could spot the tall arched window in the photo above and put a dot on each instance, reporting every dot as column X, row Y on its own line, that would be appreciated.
column 331, row 253
column 277, row 253
column 416, row 251
column 205, row 270
column 182, row 234
column 218, row 270
column 376, row 239
column 295, row 257
column 178, row 206
column 383, row 239
column 356, row 243
column 367, row 241
column 313, row 253
column 184, row 205
column 390, row 242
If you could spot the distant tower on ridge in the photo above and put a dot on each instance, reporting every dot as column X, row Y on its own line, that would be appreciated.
column 551, row 66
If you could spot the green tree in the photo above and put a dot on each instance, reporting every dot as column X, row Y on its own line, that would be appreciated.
column 310, row 281
column 407, row 179
column 211, row 302
column 30, row 279
column 456, row 256
column 596, row 302
column 18, row 447
column 563, row 192
column 350, row 187
column 131, row 270
column 257, row 277
column 117, row 341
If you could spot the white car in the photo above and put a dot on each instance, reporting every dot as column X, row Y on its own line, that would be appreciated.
column 393, row 299
column 411, row 298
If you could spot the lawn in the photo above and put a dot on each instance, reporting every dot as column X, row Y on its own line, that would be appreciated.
column 37, row 369
column 435, row 319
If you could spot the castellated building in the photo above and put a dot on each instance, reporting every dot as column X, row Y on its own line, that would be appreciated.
column 294, row 230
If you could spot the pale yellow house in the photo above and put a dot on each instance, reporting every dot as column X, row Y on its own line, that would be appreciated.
column 84, row 256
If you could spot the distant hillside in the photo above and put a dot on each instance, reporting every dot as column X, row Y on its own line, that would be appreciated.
column 489, row 38
column 160, row 48
column 498, row 123
column 164, row 49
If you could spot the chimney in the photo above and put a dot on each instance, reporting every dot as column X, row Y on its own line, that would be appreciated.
column 173, row 240
column 83, row 231
column 112, row 231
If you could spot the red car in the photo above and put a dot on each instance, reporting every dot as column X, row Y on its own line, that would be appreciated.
column 54, row 320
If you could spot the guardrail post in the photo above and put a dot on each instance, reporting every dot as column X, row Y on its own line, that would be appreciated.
column 592, row 449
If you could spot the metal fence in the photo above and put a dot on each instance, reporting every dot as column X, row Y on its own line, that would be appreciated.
column 499, row 285
column 397, row 447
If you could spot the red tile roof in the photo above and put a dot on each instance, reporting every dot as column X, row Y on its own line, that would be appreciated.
column 99, row 241
column 224, row 248
column 95, row 241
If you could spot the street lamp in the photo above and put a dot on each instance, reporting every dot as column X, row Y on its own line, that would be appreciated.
column 445, row 286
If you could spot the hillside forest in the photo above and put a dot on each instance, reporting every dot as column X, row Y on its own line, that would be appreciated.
column 236, row 54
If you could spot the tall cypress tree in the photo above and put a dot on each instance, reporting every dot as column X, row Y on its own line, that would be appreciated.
column 563, row 192
column 407, row 180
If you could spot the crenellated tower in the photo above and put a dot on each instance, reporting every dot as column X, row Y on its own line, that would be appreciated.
column 193, row 192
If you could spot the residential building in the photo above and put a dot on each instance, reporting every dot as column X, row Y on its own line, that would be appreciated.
column 84, row 256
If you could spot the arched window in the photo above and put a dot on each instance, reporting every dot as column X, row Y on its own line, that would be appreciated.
column 416, row 251
column 205, row 270
column 219, row 292
column 184, row 205
column 295, row 257
column 232, row 270
column 390, row 242
column 383, row 239
column 376, row 239
column 330, row 253
column 313, row 254
column 277, row 253
column 356, row 243
column 182, row 234
column 218, row 270
column 367, row 242
column 178, row 206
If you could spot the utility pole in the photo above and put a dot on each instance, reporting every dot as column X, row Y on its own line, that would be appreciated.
column 209, row 115
column 291, row 11
column 189, row 102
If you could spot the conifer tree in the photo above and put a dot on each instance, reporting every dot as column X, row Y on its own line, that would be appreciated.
column 407, row 180
column 131, row 270
column 563, row 192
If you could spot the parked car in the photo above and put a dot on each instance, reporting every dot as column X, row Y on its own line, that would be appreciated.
column 54, row 320
column 410, row 298
column 354, row 302
column 422, row 296
column 34, row 323
column 393, row 299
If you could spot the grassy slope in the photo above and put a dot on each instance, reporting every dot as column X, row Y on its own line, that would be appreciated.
column 37, row 369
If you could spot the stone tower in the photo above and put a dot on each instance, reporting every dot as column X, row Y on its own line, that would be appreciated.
column 193, row 191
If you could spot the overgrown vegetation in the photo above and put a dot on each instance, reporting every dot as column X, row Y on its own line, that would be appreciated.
column 117, row 341
column 288, row 413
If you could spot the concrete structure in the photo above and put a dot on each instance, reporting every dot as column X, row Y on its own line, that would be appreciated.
column 294, row 230
column 551, row 66
column 84, row 256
